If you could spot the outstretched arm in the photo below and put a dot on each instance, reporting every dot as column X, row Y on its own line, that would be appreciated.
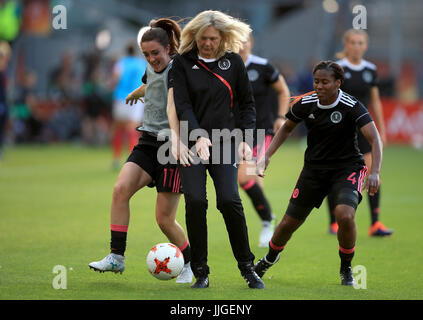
column 136, row 95
column 372, row 135
column 283, row 133
column 179, row 150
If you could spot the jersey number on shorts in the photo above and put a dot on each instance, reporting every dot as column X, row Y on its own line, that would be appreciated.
column 351, row 178
column 361, row 177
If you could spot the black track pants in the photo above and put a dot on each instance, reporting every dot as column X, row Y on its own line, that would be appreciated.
column 225, row 179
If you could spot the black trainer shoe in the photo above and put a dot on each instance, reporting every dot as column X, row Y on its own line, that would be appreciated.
column 201, row 283
column 253, row 280
column 263, row 265
column 248, row 273
column 347, row 278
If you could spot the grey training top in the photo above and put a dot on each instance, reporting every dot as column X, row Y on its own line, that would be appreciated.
column 155, row 117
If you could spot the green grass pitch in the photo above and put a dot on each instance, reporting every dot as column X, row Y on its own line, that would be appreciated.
column 54, row 209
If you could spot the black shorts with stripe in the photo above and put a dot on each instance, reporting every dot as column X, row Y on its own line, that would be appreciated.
column 314, row 185
column 165, row 177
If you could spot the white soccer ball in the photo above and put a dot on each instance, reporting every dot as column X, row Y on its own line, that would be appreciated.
column 165, row 261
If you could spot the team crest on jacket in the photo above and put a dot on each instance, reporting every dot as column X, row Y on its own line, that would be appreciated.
column 336, row 117
column 224, row 64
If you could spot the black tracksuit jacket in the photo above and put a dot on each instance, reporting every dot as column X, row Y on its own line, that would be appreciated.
column 203, row 100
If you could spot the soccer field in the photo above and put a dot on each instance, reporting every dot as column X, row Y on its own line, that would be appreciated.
column 55, row 202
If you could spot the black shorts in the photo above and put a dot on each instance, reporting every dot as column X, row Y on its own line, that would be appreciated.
column 165, row 177
column 314, row 185
column 363, row 144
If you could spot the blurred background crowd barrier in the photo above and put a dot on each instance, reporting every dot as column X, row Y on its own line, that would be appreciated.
column 58, row 79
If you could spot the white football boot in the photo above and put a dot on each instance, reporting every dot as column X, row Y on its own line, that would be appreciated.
column 113, row 262
column 266, row 233
column 186, row 275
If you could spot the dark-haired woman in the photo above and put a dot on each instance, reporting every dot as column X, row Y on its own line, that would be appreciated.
column 333, row 164
column 143, row 168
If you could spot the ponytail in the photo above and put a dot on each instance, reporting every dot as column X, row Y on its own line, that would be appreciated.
column 166, row 32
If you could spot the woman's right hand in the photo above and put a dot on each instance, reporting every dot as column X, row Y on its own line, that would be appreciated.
column 134, row 96
column 202, row 145
column 181, row 152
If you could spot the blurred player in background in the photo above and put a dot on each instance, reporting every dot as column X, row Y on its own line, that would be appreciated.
column 265, row 80
column 5, row 53
column 361, row 81
column 127, row 75
column 333, row 163
column 159, row 44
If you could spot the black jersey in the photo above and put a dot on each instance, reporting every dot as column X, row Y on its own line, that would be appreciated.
column 359, row 79
column 332, row 130
column 262, row 75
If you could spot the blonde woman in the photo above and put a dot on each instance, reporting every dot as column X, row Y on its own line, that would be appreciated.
column 211, row 91
column 361, row 82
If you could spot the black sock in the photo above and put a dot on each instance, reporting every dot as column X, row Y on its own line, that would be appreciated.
column 256, row 194
column 374, row 206
column 274, row 251
column 187, row 254
column 331, row 205
column 118, row 243
column 346, row 256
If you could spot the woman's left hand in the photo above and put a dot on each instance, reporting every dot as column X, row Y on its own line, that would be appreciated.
column 185, row 155
column 202, row 145
column 372, row 183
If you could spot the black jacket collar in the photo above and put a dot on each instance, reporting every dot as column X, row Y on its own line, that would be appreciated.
column 193, row 55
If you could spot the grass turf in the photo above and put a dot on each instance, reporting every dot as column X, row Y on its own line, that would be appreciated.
column 55, row 202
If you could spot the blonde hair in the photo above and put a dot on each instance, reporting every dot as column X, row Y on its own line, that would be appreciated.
column 233, row 32
column 347, row 35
